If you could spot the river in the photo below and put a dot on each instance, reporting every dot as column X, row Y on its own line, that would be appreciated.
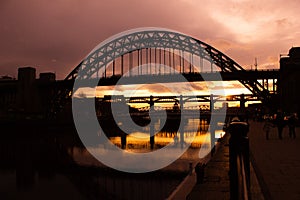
column 52, row 163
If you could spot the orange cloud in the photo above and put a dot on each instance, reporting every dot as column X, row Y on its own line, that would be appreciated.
column 37, row 33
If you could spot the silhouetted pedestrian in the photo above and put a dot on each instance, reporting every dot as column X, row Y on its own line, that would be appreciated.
column 267, row 127
column 280, row 123
column 292, row 124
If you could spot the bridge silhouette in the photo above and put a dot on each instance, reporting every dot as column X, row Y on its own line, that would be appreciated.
column 160, row 56
column 153, row 50
column 142, row 57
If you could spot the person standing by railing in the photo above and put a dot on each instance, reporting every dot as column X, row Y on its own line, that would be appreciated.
column 238, row 153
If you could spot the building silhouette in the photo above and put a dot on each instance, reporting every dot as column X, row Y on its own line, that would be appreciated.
column 27, row 96
column 289, row 82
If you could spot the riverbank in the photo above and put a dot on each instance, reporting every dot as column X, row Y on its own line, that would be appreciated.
column 274, row 168
column 276, row 162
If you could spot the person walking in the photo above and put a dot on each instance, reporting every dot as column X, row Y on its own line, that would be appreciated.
column 267, row 127
column 280, row 123
column 292, row 124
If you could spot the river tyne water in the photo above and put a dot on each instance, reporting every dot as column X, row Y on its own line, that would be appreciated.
column 37, row 162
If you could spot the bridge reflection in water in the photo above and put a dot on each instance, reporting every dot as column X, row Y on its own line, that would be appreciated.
column 45, row 164
column 194, row 132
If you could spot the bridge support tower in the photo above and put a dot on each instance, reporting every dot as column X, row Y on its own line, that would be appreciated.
column 151, row 124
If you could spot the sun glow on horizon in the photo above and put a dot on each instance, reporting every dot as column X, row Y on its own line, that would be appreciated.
column 168, row 89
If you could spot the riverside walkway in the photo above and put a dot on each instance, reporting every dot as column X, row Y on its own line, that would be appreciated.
column 274, row 169
column 276, row 162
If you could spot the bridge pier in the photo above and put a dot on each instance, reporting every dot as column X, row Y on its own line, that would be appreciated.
column 242, row 111
column 181, row 103
column 151, row 124
column 212, row 124
column 181, row 131
column 123, row 140
column 242, row 102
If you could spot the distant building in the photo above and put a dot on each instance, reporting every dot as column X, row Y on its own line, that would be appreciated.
column 27, row 95
column 6, row 78
column 289, row 81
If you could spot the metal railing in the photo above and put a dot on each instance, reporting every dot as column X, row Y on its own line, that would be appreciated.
column 243, row 179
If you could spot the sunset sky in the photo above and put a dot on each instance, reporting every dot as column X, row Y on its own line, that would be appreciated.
column 56, row 35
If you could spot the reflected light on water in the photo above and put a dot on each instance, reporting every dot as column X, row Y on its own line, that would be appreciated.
column 196, row 134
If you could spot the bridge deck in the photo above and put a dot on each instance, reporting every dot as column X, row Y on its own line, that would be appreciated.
column 191, row 77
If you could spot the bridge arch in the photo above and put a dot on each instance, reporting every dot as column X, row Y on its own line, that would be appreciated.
column 106, row 52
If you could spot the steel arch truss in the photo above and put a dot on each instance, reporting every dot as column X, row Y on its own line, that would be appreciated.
column 102, row 56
